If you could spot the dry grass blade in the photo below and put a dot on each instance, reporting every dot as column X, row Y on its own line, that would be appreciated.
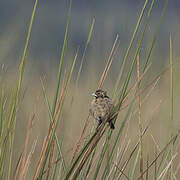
column 157, row 148
column 84, row 53
column 54, row 123
column 51, row 158
column 109, row 62
column 147, row 165
column 85, row 152
column 15, row 174
column 28, row 161
column 95, row 141
column 166, row 168
column 177, row 168
column 121, row 171
column 94, row 158
column 101, row 81
column 81, row 138
column 21, row 171
column 130, row 46
column 139, row 116
column 18, row 87
column 51, row 119
column 141, row 92
column 51, row 165
column 171, row 141
column 136, row 84
column 131, row 154
column 49, row 134
column 123, row 151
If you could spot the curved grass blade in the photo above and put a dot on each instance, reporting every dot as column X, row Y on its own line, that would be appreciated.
column 70, row 171
column 171, row 102
column 43, row 159
column 129, row 48
column 134, row 164
column 85, row 49
column 101, row 81
column 51, row 120
column 172, row 140
column 62, row 60
column 90, row 163
column 19, row 82
column 156, row 34
column 123, row 93
column 59, row 77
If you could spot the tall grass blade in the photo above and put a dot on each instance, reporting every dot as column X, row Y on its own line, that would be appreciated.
column 131, row 154
column 171, row 101
column 163, row 173
column 171, row 83
column 47, row 146
column 1, row 112
column 7, row 125
column 51, row 120
column 135, row 164
column 85, row 49
column 109, row 62
column 94, row 143
column 147, row 165
column 100, row 161
column 51, row 113
column 118, row 137
column 59, row 75
column 155, row 165
column 90, row 163
column 129, row 48
column 23, row 158
column 156, row 33
column 19, row 82
column 139, row 117
column 61, row 60
column 79, row 157
column 125, row 86
column 172, row 140
column 101, row 81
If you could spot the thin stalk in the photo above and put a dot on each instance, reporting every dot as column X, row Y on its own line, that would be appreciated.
column 85, row 49
column 19, row 82
column 129, row 48
column 171, row 100
column 62, row 60
column 135, row 164
column 139, row 117
column 123, row 92
column 1, row 111
column 51, row 120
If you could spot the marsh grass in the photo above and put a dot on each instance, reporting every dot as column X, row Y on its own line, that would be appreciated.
column 101, row 154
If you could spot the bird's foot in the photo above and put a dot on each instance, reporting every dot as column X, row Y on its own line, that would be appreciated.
column 111, row 125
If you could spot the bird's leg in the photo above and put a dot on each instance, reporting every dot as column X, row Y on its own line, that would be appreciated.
column 99, row 123
column 111, row 125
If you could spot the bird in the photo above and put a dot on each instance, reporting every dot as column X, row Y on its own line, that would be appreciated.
column 101, row 107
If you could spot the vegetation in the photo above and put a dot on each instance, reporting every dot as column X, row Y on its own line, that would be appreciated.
column 131, row 151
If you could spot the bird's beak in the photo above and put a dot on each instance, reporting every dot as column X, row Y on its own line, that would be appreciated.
column 93, row 94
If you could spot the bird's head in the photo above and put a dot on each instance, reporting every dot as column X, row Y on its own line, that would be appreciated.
column 100, row 93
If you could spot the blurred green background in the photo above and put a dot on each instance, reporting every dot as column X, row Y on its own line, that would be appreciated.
column 111, row 18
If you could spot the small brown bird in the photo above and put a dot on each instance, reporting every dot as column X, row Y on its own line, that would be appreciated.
column 101, row 107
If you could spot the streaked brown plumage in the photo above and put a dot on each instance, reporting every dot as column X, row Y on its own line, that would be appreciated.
column 101, row 107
